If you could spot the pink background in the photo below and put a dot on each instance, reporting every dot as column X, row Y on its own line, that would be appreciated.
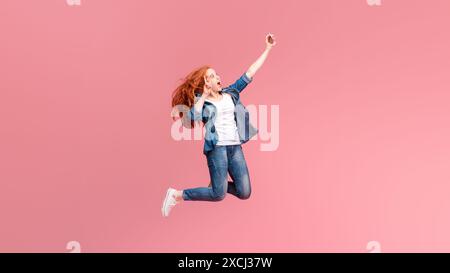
column 86, row 152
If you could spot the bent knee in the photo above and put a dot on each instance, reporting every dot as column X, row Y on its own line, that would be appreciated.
column 218, row 196
column 245, row 195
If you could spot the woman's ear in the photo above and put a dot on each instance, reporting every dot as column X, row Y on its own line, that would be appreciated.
column 206, row 81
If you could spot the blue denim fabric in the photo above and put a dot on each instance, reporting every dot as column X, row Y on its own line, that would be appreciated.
column 221, row 161
column 245, row 129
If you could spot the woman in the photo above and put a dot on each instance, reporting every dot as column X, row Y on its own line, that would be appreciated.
column 227, row 127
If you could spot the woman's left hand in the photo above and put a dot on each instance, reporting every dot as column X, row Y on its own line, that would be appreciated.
column 270, row 41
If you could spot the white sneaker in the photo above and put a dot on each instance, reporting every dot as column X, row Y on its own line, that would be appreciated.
column 169, row 202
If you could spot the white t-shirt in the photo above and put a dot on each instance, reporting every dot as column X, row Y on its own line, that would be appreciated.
column 225, row 124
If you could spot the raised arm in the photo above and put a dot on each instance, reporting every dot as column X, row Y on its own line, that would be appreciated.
column 270, row 42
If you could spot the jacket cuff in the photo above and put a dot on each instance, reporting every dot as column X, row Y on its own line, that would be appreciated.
column 246, row 78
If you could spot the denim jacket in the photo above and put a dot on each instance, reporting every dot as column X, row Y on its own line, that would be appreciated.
column 241, row 115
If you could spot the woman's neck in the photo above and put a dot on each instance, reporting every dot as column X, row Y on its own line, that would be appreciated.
column 214, row 95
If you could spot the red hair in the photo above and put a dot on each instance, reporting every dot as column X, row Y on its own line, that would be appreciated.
column 184, row 93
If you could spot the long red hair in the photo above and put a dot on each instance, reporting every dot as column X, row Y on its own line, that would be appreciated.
column 184, row 93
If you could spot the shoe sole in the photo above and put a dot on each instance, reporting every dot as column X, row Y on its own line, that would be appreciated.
column 165, row 202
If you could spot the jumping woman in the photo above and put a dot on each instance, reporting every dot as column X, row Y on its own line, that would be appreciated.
column 227, row 125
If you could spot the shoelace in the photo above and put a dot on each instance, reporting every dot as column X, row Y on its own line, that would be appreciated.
column 173, row 202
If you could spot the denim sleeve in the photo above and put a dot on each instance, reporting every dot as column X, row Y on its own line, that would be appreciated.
column 194, row 115
column 241, row 83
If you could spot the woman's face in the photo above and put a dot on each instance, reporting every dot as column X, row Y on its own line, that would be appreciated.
column 213, row 80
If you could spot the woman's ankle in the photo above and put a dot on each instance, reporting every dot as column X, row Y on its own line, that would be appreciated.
column 179, row 195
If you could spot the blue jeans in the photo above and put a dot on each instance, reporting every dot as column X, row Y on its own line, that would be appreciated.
column 221, row 160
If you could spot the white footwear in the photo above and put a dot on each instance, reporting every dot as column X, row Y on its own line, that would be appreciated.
column 169, row 202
